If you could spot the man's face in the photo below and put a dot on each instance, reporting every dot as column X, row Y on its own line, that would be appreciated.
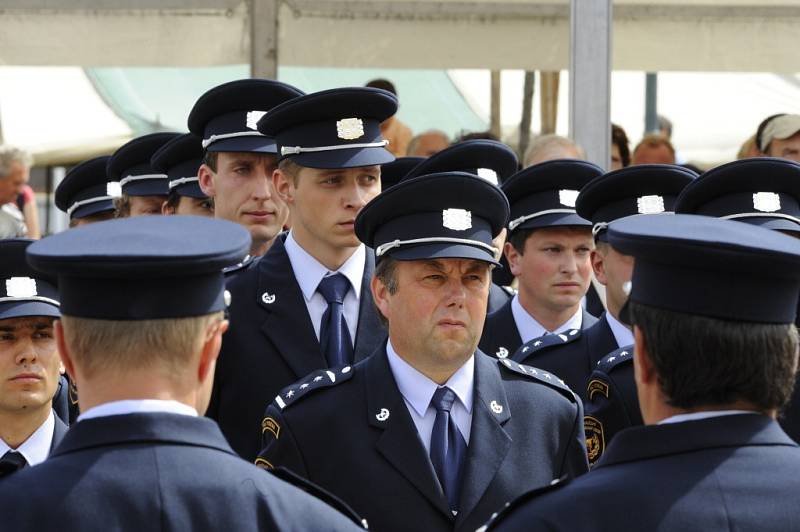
column 29, row 363
column 324, row 204
column 436, row 315
column 243, row 193
column 191, row 206
column 11, row 185
column 786, row 148
column 555, row 268
column 653, row 155
column 145, row 205
column 613, row 269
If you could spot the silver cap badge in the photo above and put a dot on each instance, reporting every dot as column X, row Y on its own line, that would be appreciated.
column 21, row 287
column 766, row 202
column 457, row 219
column 567, row 197
column 650, row 204
column 350, row 128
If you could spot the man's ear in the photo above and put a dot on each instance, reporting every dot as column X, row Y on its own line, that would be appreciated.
column 644, row 371
column 514, row 259
column 210, row 350
column 380, row 295
column 284, row 186
column 206, row 180
column 599, row 266
column 63, row 351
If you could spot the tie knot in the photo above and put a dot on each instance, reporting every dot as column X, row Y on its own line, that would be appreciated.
column 443, row 399
column 333, row 288
column 12, row 461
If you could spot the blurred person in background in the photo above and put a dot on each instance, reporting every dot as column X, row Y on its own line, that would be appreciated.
column 428, row 143
column 549, row 147
column 620, row 148
column 392, row 129
column 14, row 169
column 780, row 137
column 654, row 149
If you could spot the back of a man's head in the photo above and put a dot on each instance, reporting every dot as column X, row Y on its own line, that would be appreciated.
column 702, row 361
column 549, row 147
column 113, row 348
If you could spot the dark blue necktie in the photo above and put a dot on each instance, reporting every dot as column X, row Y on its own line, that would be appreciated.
column 334, row 338
column 11, row 462
column 448, row 448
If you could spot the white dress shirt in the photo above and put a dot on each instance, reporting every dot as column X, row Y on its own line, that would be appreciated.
column 309, row 272
column 530, row 329
column 137, row 406
column 417, row 391
column 680, row 418
column 37, row 447
column 622, row 334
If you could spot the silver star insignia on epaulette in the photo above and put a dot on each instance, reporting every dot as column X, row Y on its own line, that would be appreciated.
column 525, row 349
column 304, row 386
column 502, row 352
column 318, row 378
column 547, row 376
column 537, row 343
column 573, row 332
column 533, row 370
column 563, row 337
column 623, row 353
column 612, row 359
column 561, row 381
column 289, row 394
column 346, row 370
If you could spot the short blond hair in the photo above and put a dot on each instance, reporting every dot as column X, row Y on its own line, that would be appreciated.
column 166, row 345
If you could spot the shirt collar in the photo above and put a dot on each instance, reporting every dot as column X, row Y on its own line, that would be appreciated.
column 37, row 447
column 418, row 390
column 313, row 271
column 137, row 406
column 693, row 416
column 529, row 328
column 622, row 334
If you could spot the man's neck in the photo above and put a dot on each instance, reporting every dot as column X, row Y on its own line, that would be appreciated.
column 332, row 257
column 17, row 426
column 664, row 411
column 549, row 318
column 100, row 391
column 259, row 248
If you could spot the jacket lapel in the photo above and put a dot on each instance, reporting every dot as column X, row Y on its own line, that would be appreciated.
column 399, row 441
column 489, row 442
column 285, row 321
column 59, row 430
column 370, row 332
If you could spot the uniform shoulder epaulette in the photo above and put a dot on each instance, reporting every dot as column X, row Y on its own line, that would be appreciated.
column 230, row 270
column 545, row 342
column 502, row 513
column 539, row 375
column 323, row 378
column 614, row 358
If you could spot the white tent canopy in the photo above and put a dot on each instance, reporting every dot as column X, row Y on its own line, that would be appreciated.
column 648, row 35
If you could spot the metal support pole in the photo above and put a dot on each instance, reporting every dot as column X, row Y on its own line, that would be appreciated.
column 527, row 112
column 590, row 78
column 494, row 119
column 651, row 103
column 264, row 38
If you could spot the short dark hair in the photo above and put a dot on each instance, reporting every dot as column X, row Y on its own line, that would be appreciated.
column 620, row 139
column 210, row 160
column 386, row 272
column 384, row 84
column 518, row 239
column 173, row 199
column 707, row 361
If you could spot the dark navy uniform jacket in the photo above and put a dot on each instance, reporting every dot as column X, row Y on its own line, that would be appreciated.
column 498, row 296
column 154, row 472
column 271, row 343
column 738, row 472
column 500, row 334
column 571, row 359
column 349, row 430
column 612, row 405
